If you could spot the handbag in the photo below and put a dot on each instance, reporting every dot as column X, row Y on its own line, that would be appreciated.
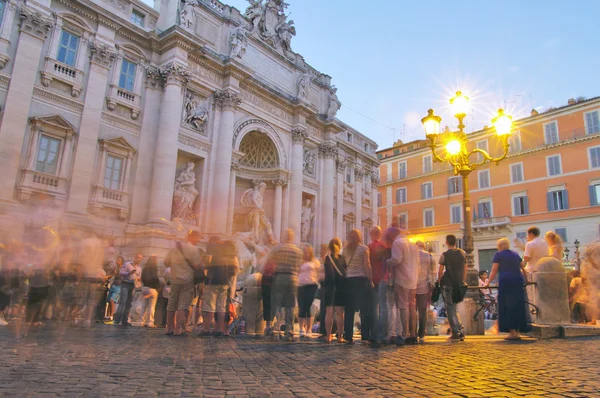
column 199, row 275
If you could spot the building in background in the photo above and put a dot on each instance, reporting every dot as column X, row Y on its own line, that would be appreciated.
column 136, row 123
column 551, row 179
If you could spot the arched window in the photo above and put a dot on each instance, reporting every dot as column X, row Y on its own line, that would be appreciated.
column 259, row 151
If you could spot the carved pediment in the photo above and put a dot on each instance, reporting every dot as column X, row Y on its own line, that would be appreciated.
column 56, row 122
column 118, row 143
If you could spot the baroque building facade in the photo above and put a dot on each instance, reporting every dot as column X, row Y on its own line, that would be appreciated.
column 550, row 179
column 137, row 123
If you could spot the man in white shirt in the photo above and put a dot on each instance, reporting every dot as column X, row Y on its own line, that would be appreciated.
column 405, row 270
column 535, row 249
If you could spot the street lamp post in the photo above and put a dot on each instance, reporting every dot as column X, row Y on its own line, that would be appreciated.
column 577, row 243
column 457, row 154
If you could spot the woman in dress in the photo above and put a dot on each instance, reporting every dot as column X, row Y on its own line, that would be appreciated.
column 555, row 245
column 334, row 289
column 308, row 283
column 359, row 287
column 512, row 311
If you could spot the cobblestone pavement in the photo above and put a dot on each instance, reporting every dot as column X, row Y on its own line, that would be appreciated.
column 116, row 361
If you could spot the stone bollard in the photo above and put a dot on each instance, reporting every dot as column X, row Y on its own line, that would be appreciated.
column 252, row 309
column 551, row 293
column 466, row 312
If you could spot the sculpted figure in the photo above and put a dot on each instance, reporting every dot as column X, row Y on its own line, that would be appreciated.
column 254, row 13
column 334, row 103
column 285, row 32
column 309, row 162
column 185, row 193
column 238, row 42
column 195, row 114
column 260, row 226
column 187, row 12
column 303, row 85
column 305, row 220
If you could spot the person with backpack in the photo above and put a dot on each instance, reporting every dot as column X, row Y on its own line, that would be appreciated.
column 452, row 274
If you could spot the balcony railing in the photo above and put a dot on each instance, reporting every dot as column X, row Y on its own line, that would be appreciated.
column 33, row 182
column 110, row 198
column 125, row 98
column 56, row 70
column 491, row 222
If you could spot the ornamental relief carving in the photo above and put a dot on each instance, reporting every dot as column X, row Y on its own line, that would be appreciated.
column 299, row 134
column 227, row 99
column 309, row 166
column 265, row 105
column 102, row 54
column 174, row 73
column 201, row 73
column 195, row 113
column 328, row 150
column 34, row 22
column 262, row 126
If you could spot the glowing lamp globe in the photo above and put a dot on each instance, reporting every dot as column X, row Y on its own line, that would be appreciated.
column 453, row 147
column 431, row 123
column 459, row 104
column 502, row 123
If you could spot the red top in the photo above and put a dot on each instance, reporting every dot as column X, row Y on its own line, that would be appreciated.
column 377, row 252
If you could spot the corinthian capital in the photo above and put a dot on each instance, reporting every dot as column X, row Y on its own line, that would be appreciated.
column 341, row 165
column 174, row 73
column 102, row 54
column 299, row 134
column 358, row 174
column 280, row 182
column 328, row 150
column 154, row 79
column 34, row 22
column 227, row 99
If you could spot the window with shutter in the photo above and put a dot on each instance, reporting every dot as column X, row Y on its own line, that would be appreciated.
column 551, row 133
column 594, row 194
column 484, row 209
column 454, row 185
column 592, row 124
column 402, row 170
column 515, row 142
column 520, row 205
column 554, row 165
column 401, row 195
column 594, row 154
column 403, row 219
column 428, row 218
column 455, row 214
column 427, row 165
column 427, row 190
column 558, row 200
column 516, row 172
column 484, row 179
column 483, row 145
column 562, row 232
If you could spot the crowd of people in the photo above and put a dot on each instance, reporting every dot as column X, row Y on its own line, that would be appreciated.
column 389, row 282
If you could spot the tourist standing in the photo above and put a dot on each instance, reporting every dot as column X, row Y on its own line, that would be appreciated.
column 322, row 308
column 512, row 311
column 424, row 288
column 183, row 260
column 535, row 249
column 378, row 255
column 130, row 273
column 404, row 266
column 452, row 272
column 287, row 258
column 114, row 292
column 334, row 289
column 393, row 313
column 308, row 283
column 151, row 285
column 359, row 288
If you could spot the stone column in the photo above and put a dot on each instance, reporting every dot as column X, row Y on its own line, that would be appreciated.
column 165, row 156
column 102, row 57
column 67, row 152
column 228, row 100
column 328, row 151
column 33, row 30
column 230, row 210
column 278, row 205
column 299, row 135
column 374, row 204
column 339, row 217
column 358, row 194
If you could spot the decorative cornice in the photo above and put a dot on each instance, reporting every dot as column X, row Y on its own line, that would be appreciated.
column 121, row 123
column 66, row 102
column 102, row 54
column 174, row 73
column 227, row 99
column 328, row 150
column 341, row 165
column 349, row 217
column 35, row 23
column 299, row 134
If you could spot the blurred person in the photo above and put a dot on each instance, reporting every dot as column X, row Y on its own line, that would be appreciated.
column 266, row 284
column 452, row 271
column 323, row 252
column 359, row 288
column 404, row 265
column 512, row 310
column 378, row 252
column 424, row 288
column 39, row 288
column 130, row 274
column 393, row 312
column 165, row 294
column 182, row 260
column 578, row 298
column 535, row 249
column 4, row 293
column 287, row 258
column 151, row 285
column 114, row 293
column 590, row 274
column 555, row 245
column 334, row 290
column 220, row 269
column 308, row 283
column 93, row 276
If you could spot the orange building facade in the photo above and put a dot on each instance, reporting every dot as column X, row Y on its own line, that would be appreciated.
column 551, row 179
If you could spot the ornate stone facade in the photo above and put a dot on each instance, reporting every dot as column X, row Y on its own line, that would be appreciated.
column 146, row 149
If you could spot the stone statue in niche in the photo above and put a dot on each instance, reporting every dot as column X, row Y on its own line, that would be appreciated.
column 187, row 12
column 260, row 226
column 238, row 42
column 254, row 13
column 309, row 162
column 305, row 220
column 195, row 114
column 303, row 85
column 185, row 194
column 334, row 103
